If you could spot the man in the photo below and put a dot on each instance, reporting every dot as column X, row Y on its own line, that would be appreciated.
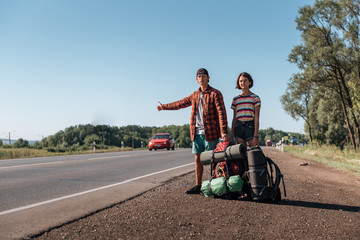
column 208, row 120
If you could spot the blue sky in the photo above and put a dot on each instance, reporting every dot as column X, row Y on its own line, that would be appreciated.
column 64, row 63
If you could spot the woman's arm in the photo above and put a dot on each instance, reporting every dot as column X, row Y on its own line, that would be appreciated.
column 256, row 121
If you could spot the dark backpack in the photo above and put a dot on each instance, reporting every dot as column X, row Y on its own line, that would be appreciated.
column 263, row 177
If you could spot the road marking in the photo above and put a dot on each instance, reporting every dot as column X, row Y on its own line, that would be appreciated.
column 88, row 159
column 30, row 165
column 89, row 191
column 121, row 156
column 129, row 155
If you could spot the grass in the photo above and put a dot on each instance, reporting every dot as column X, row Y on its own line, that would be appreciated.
column 14, row 153
column 347, row 160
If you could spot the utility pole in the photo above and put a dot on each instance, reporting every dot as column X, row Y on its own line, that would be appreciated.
column 9, row 139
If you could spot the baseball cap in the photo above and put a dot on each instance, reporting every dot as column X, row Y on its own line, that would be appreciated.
column 202, row 71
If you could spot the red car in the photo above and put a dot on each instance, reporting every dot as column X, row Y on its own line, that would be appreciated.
column 161, row 141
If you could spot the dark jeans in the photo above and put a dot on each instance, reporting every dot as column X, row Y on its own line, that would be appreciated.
column 245, row 129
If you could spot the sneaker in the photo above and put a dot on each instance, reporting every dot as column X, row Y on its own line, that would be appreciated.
column 194, row 190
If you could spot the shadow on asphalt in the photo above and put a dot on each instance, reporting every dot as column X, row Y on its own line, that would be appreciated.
column 317, row 205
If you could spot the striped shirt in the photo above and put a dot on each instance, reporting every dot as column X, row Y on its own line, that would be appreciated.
column 245, row 106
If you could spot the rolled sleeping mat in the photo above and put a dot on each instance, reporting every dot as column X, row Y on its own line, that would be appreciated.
column 258, row 174
column 234, row 152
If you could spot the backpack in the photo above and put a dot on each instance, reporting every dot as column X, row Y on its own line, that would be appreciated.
column 263, row 177
column 226, row 180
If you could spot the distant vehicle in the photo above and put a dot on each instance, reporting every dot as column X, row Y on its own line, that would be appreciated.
column 161, row 141
column 268, row 143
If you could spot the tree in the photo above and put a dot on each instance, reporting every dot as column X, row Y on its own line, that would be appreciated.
column 90, row 139
column 329, row 56
column 326, row 118
column 296, row 99
column 38, row 145
column 21, row 143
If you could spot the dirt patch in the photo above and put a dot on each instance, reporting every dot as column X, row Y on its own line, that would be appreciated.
column 321, row 203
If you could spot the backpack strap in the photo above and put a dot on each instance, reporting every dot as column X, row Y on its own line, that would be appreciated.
column 212, row 163
column 228, row 168
column 227, row 182
column 278, row 178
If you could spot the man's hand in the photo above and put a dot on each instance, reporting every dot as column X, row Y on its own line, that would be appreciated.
column 160, row 107
column 224, row 137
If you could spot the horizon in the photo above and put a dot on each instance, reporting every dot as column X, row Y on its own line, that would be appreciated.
column 6, row 140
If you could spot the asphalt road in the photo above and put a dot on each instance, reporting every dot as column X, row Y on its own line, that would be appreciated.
column 38, row 193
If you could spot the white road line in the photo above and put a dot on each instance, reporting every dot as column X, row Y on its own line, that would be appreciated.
column 30, row 165
column 89, row 159
column 121, row 156
column 88, row 191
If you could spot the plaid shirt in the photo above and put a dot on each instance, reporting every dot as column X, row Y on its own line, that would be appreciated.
column 215, row 121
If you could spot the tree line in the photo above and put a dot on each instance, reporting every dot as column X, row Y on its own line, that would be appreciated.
column 325, row 92
column 133, row 136
column 82, row 137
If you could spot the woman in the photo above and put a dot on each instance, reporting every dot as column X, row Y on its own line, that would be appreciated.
column 246, row 106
